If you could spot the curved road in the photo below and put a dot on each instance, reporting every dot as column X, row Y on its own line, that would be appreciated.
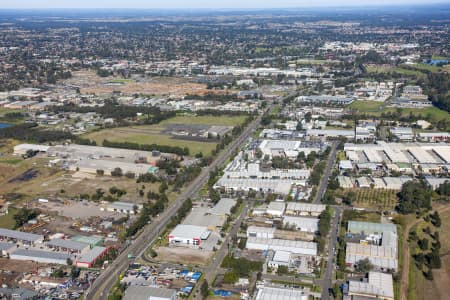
column 102, row 285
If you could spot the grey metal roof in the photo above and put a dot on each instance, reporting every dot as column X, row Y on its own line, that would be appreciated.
column 68, row 244
column 134, row 292
column 19, row 293
column 370, row 228
column 6, row 246
column 19, row 235
column 42, row 254
column 92, row 254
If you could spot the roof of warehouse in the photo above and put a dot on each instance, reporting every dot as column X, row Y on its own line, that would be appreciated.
column 277, row 205
column 5, row 246
column 282, row 256
column 92, row 254
column 91, row 240
column 280, row 242
column 19, row 235
column 68, row 244
column 188, row 231
column 134, row 292
column 200, row 216
column 379, row 284
column 41, row 254
column 298, row 206
column 302, row 221
column 223, row 206
column 369, row 227
column 274, row 293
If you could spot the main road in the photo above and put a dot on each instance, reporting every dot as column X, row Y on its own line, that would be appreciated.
column 327, row 173
column 101, row 286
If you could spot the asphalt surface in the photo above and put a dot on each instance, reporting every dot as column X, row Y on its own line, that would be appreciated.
column 330, row 263
column 326, row 175
column 214, row 266
column 101, row 286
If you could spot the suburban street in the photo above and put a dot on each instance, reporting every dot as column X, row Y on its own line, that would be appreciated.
column 330, row 261
column 102, row 285
column 327, row 173
column 214, row 266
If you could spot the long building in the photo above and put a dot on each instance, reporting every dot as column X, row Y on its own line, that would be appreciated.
column 373, row 241
column 297, row 247
column 47, row 257
column 376, row 286
column 23, row 237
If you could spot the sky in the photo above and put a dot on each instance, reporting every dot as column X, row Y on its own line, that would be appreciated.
column 173, row 4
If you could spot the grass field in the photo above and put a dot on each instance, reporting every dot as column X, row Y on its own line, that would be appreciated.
column 153, row 134
column 7, row 221
column 375, row 198
column 366, row 106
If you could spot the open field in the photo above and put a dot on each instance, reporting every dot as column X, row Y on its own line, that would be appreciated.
column 366, row 106
column 7, row 221
column 53, row 182
column 183, row 255
column 90, row 83
column 399, row 70
column 154, row 134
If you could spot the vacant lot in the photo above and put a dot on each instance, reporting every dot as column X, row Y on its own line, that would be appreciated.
column 154, row 134
column 181, row 255
column 90, row 83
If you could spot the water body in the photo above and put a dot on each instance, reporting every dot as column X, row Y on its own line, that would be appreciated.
column 4, row 125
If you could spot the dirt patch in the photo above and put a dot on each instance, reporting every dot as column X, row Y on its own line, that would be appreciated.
column 25, row 176
column 90, row 83
column 12, row 270
column 442, row 278
column 183, row 255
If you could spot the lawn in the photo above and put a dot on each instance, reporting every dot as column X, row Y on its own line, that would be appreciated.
column 205, row 120
column 399, row 70
column 153, row 134
column 366, row 106
column 7, row 221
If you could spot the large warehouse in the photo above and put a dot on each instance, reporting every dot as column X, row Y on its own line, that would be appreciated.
column 271, row 293
column 310, row 225
column 374, row 241
column 297, row 247
column 46, row 257
column 188, row 235
column 304, row 209
column 134, row 292
column 24, row 237
column 377, row 286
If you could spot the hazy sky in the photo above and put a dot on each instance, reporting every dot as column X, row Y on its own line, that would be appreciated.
column 200, row 3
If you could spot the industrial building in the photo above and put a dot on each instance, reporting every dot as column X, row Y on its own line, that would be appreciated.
column 68, row 245
column 277, row 186
column 135, row 292
column 122, row 207
column 310, row 225
column 23, row 149
column 223, row 207
column 271, row 293
column 19, row 236
column 260, row 232
column 46, row 257
column 276, row 208
column 200, row 216
column 6, row 248
column 376, row 286
column 88, row 258
column 374, row 241
column 188, row 235
column 298, row 247
column 280, row 148
column 304, row 209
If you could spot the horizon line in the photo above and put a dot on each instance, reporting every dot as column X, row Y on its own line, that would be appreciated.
column 375, row 5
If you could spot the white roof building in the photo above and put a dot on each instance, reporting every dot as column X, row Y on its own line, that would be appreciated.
column 310, row 225
column 261, row 232
column 304, row 209
column 378, row 285
column 297, row 247
column 276, row 208
column 275, row 293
